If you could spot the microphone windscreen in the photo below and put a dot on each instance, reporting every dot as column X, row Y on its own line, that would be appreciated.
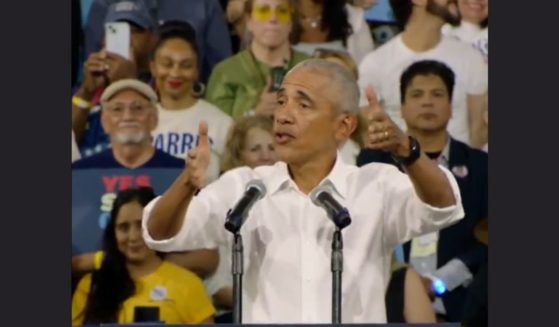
column 259, row 185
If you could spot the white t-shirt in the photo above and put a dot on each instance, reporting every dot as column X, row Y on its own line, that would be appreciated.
column 471, row 34
column 177, row 131
column 359, row 43
column 383, row 67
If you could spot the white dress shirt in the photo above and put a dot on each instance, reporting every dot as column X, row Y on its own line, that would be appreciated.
column 287, row 239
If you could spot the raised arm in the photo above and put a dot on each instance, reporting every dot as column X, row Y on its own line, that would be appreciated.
column 429, row 181
column 167, row 215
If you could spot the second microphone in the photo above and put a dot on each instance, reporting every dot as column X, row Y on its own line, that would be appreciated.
column 255, row 190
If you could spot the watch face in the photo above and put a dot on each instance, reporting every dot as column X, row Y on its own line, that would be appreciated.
column 414, row 152
column 414, row 145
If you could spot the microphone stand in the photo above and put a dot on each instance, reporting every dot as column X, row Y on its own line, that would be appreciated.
column 337, row 264
column 235, row 218
column 237, row 271
column 237, row 268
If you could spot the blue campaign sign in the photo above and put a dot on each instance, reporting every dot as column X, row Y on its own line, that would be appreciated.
column 93, row 193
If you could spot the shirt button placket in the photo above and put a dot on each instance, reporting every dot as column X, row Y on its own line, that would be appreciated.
column 307, row 264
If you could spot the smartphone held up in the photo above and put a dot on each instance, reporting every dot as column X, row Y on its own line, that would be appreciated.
column 117, row 39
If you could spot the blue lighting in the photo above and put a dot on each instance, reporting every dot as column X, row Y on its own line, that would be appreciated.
column 439, row 287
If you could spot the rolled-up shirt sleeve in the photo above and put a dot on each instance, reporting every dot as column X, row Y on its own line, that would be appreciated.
column 203, row 226
column 406, row 216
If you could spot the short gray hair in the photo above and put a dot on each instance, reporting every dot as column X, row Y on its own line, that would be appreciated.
column 339, row 77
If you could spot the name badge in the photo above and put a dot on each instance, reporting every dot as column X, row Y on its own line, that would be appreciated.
column 158, row 293
column 460, row 171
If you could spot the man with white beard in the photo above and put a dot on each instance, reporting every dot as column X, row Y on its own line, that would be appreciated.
column 128, row 117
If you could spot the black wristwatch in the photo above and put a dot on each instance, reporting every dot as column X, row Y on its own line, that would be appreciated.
column 415, row 152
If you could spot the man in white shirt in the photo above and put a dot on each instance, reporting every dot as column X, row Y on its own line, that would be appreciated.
column 287, row 238
column 422, row 39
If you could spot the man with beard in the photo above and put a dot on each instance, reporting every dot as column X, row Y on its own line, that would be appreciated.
column 103, row 68
column 128, row 116
column 421, row 38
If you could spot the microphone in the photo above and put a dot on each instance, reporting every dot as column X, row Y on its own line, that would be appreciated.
column 255, row 190
column 336, row 212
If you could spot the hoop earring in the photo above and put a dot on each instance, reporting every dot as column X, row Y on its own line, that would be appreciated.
column 198, row 89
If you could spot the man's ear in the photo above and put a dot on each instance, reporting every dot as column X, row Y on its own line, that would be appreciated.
column 346, row 126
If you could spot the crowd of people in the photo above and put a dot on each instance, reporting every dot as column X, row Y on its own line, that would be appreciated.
column 298, row 94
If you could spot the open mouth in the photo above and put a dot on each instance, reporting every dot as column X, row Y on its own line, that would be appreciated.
column 174, row 84
column 283, row 138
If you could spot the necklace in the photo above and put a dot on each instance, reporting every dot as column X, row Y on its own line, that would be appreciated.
column 314, row 22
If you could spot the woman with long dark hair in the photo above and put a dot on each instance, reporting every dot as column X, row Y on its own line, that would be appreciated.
column 133, row 276
column 334, row 25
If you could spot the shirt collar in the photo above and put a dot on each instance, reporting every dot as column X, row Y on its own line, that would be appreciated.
column 445, row 155
column 336, row 179
column 279, row 179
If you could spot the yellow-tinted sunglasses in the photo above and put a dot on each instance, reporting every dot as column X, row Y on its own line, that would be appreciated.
column 263, row 13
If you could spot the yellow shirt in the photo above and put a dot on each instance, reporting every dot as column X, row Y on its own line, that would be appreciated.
column 179, row 294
